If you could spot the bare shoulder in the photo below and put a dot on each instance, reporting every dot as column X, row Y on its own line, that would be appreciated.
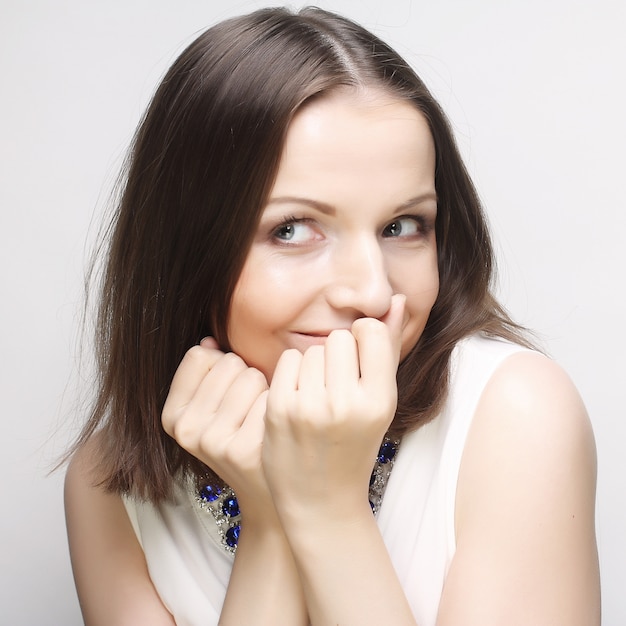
column 532, row 428
column 82, row 468
column 525, row 506
column 531, row 406
column 109, row 567
column 81, row 483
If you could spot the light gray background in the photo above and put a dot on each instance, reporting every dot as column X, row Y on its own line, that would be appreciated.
column 535, row 92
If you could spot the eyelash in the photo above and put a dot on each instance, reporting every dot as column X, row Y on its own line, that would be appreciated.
column 424, row 225
column 288, row 220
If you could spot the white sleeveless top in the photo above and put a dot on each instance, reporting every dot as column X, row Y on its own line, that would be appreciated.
column 190, row 568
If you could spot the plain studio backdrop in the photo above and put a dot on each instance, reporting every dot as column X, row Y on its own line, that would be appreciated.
column 535, row 91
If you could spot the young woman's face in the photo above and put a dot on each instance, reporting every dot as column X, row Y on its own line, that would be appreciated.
column 350, row 222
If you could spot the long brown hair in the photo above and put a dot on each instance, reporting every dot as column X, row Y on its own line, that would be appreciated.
column 199, row 172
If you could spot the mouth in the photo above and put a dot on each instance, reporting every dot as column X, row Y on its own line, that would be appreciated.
column 303, row 339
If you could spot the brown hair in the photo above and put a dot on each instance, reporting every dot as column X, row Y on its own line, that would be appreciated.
column 201, row 165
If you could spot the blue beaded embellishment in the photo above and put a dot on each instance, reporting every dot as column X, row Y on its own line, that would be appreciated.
column 209, row 493
column 231, row 536
column 223, row 506
column 380, row 473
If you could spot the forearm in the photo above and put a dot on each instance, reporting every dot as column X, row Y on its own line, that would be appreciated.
column 346, row 573
column 327, row 412
column 264, row 587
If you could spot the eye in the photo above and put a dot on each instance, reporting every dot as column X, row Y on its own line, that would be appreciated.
column 406, row 226
column 294, row 231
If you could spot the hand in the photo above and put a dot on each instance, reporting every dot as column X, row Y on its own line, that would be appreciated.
column 327, row 412
column 215, row 410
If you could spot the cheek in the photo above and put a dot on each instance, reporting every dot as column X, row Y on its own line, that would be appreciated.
column 242, row 310
column 421, row 289
column 269, row 289
column 259, row 309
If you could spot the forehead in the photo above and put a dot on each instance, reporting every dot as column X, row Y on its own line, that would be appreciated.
column 351, row 108
column 359, row 139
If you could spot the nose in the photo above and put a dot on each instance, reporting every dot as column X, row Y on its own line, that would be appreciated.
column 360, row 280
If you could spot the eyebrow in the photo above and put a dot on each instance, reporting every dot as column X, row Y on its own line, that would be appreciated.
column 328, row 209
column 315, row 204
column 424, row 197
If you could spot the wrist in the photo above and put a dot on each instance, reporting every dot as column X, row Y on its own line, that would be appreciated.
column 265, row 539
column 259, row 516
column 334, row 523
column 334, row 502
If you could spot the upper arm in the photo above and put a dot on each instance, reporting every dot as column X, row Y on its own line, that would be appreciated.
column 112, row 580
column 525, row 509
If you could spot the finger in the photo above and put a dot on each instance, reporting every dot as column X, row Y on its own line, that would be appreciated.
column 209, row 342
column 253, row 426
column 284, row 382
column 394, row 320
column 217, row 383
column 241, row 396
column 221, row 434
column 341, row 361
column 196, row 364
column 379, row 344
column 286, row 371
column 311, row 376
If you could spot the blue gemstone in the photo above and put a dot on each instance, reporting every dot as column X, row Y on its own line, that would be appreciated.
column 232, row 535
column 209, row 493
column 372, row 505
column 231, row 507
column 387, row 452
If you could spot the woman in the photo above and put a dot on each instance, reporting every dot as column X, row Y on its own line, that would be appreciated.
column 311, row 408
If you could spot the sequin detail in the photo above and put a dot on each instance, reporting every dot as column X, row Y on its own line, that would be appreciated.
column 380, row 473
column 222, row 503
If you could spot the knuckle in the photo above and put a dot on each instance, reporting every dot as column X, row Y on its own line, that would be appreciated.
column 210, row 445
column 167, row 422
column 274, row 414
column 279, row 411
column 231, row 456
column 232, row 362
column 196, row 354
column 255, row 378
column 342, row 409
column 171, row 419
column 315, row 418
column 184, row 434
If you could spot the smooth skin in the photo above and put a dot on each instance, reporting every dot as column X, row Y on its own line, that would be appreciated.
column 112, row 580
column 336, row 289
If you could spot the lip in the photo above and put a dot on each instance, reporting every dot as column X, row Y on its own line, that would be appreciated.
column 301, row 340
column 304, row 340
